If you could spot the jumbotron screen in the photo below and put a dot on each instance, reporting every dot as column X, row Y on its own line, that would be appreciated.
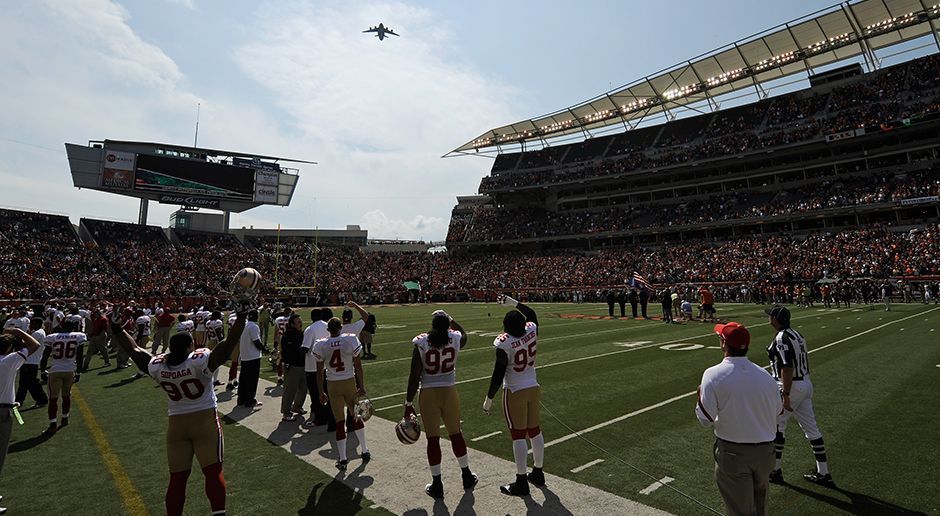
column 201, row 178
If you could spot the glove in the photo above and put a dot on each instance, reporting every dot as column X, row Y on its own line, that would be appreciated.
column 77, row 378
column 506, row 300
column 45, row 376
column 487, row 405
column 409, row 410
column 441, row 312
column 243, row 306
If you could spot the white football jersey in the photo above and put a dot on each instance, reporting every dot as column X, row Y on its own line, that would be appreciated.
column 64, row 350
column 337, row 355
column 17, row 322
column 214, row 329
column 439, row 363
column 185, row 326
column 200, row 319
column 188, row 386
column 231, row 320
column 520, row 373
column 280, row 325
column 143, row 321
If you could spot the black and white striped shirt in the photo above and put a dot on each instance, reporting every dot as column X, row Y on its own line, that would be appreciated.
column 788, row 349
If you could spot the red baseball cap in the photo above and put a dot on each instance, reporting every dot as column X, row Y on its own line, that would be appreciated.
column 735, row 335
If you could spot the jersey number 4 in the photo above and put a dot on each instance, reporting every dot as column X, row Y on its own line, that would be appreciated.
column 440, row 361
column 524, row 358
column 336, row 361
column 192, row 389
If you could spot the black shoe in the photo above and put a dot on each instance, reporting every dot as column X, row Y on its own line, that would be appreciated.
column 470, row 481
column 366, row 457
column 341, row 465
column 64, row 423
column 536, row 477
column 39, row 405
column 217, row 383
column 518, row 488
column 280, row 382
column 50, row 430
column 230, row 386
column 820, row 479
column 435, row 490
column 776, row 477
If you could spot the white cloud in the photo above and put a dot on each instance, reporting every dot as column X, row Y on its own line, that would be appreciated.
column 419, row 227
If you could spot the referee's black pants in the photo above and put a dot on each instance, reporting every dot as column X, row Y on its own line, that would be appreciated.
column 248, row 382
column 29, row 383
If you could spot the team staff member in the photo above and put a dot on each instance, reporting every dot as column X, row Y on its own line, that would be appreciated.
column 16, row 346
column 250, row 361
column 97, row 339
column 433, row 366
column 741, row 401
column 521, row 393
column 164, row 323
column 319, row 414
column 339, row 357
column 185, row 374
column 29, row 373
column 292, row 361
column 789, row 365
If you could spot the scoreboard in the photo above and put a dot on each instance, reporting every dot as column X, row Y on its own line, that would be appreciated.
column 191, row 177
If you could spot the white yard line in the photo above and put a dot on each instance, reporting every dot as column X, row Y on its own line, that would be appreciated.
column 692, row 393
column 656, row 485
column 586, row 466
column 486, row 436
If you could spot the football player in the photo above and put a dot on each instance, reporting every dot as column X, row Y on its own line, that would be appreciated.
column 433, row 366
column 515, row 372
column 185, row 374
column 199, row 319
column 280, row 326
column 346, row 384
column 66, row 349
column 215, row 332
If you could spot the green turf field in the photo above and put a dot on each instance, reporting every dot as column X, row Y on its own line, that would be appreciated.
column 629, row 383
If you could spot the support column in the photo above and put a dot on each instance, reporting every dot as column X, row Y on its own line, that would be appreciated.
column 226, row 216
column 142, row 214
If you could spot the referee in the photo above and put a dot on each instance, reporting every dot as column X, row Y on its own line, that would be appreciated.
column 741, row 401
column 789, row 365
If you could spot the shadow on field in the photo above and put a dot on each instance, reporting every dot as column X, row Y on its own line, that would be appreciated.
column 858, row 503
column 334, row 498
column 32, row 442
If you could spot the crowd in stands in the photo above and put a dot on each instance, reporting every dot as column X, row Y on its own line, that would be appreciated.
column 894, row 94
column 491, row 224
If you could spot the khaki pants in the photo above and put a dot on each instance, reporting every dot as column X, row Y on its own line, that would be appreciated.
column 196, row 433
column 161, row 340
column 295, row 390
column 439, row 403
column 97, row 344
column 742, row 472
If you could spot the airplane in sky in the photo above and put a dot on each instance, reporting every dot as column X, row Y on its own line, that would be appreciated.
column 381, row 31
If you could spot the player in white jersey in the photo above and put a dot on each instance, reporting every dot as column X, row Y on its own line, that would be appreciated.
column 515, row 372
column 185, row 374
column 433, row 365
column 280, row 326
column 184, row 325
column 339, row 357
column 199, row 319
column 65, row 349
column 18, row 320
column 215, row 332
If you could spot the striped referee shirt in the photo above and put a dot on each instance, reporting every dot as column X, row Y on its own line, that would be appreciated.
column 788, row 349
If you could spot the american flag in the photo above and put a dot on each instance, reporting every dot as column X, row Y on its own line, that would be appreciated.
column 639, row 281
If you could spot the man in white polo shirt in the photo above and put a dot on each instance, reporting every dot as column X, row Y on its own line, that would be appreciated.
column 742, row 402
column 15, row 348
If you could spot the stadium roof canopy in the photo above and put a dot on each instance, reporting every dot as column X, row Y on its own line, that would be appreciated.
column 830, row 35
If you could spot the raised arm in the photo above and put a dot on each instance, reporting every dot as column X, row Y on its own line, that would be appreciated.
column 363, row 314
column 464, row 338
column 31, row 344
column 223, row 351
column 141, row 357
column 528, row 312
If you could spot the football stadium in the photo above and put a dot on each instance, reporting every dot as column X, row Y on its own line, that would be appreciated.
column 713, row 290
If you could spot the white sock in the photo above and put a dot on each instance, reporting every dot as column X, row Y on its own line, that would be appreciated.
column 341, row 447
column 519, row 451
column 361, row 434
column 436, row 470
column 822, row 467
column 779, row 462
column 538, row 450
column 464, row 461
column 65, row 415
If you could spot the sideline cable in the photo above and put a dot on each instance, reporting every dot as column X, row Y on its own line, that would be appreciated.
column 631, row 466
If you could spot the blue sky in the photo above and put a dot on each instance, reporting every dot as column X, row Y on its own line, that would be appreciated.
column 298, row 79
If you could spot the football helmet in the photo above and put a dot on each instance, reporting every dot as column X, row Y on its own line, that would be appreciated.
column 408, row 430
column 244, row 288
column 364, row 409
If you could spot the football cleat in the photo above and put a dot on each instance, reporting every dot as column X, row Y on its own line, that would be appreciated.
column 537, row 477
column 435, row 490
column 469, row 480
column 518, row 488
column 366, row 457
column 820, row 479
column 341, row 465
column 65, row 422
column 50, row 430
column 776, row 477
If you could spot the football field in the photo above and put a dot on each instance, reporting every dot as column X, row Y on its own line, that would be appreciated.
column 617, row 415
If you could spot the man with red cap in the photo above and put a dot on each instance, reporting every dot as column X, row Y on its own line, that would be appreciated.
column 741, row 401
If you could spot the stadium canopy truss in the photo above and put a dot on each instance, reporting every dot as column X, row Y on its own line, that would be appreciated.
column 840, row 32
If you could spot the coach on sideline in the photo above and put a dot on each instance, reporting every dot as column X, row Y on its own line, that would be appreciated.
column 15, row 347
column 742, row 402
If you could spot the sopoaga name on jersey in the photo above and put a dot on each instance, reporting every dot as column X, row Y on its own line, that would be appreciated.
column 188, row 386
column 520, row 373
column 214, row 329
column 337, row 355
column 439, row 363
column 63, row 350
